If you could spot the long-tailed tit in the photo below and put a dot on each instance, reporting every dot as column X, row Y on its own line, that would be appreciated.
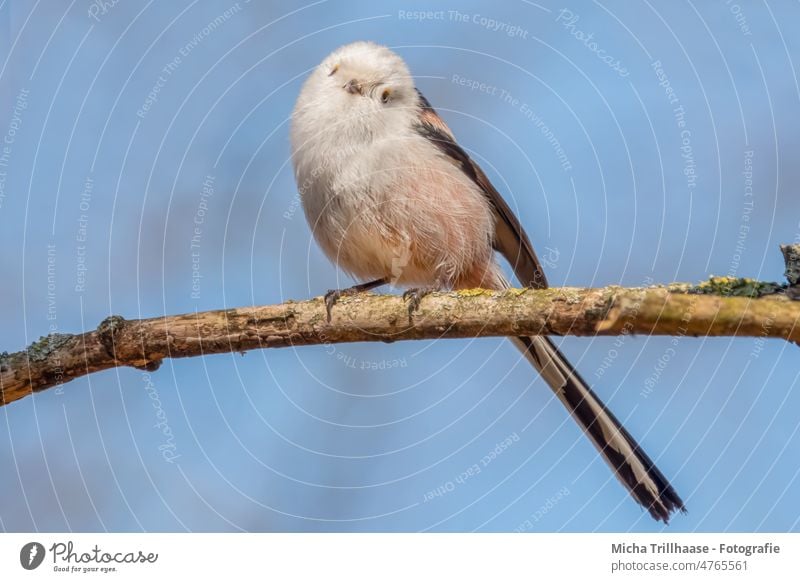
column 392, row 198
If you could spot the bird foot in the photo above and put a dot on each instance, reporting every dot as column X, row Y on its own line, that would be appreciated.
column 333, row 295
column 414, row 297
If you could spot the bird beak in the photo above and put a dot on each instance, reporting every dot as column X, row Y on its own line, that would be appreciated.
column 352, row 87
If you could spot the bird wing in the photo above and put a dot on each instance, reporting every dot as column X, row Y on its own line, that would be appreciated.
column 510, row 238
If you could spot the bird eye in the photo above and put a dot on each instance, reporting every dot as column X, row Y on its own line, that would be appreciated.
column 385, row 96
column 333, row 70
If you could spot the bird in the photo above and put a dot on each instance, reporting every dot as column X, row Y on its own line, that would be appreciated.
column 392, row 198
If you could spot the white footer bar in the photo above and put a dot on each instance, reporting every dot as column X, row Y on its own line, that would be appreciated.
column 401, row 557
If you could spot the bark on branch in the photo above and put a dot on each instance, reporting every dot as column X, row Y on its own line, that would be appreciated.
column 718, row 307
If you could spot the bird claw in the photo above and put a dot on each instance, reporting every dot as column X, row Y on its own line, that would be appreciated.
column 414, row 297
column 331, row 297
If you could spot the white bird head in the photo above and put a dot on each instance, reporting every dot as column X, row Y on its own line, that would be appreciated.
column 357, row 93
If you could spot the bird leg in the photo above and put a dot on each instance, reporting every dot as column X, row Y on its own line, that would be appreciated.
column 333, row 295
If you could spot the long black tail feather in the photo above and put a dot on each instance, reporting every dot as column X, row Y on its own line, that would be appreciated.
column 647, row 485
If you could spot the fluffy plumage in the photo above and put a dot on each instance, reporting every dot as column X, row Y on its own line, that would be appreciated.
column 390, row 195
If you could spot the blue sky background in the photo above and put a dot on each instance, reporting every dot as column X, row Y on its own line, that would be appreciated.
column 356, row 437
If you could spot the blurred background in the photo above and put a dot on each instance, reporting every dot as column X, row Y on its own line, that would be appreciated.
column 144, row 170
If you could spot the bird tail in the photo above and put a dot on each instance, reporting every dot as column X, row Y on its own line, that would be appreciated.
column 646, row 484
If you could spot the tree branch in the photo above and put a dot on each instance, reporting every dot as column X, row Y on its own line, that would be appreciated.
column 718, row 307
